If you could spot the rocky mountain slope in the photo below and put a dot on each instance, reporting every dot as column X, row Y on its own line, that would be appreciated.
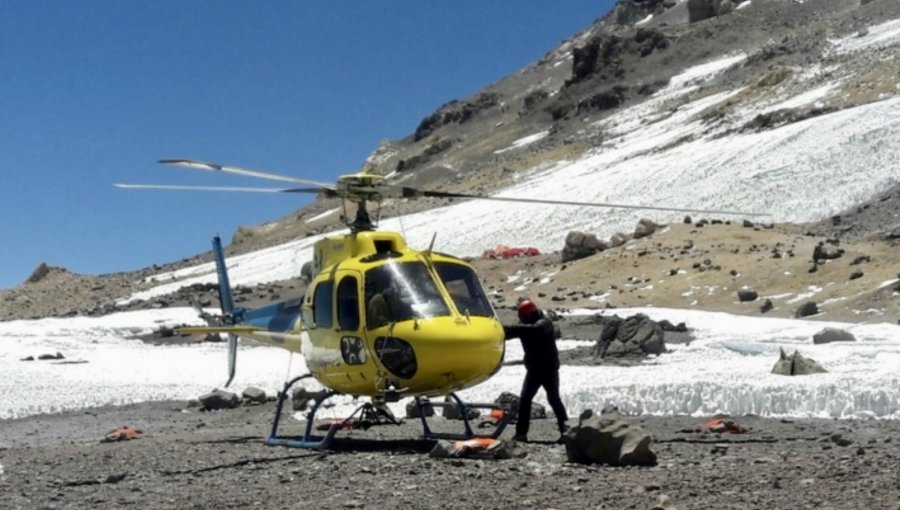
column 782, row 62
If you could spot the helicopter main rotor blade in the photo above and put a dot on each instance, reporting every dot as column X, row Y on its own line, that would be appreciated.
column 221, row 188
column 215, row 167
column 413, row 193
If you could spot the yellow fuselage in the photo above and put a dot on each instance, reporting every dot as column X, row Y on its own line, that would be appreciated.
column 436, row 348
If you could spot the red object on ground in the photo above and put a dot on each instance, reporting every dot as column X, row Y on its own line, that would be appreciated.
column 723, row 425
column 476, row 443
column 509, row 252
column 122, row 434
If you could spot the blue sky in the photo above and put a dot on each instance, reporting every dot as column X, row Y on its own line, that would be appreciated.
column 95, row 93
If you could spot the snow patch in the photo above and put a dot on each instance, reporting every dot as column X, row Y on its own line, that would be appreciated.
column 323, row 215
column 878, row 36
column 522, row 142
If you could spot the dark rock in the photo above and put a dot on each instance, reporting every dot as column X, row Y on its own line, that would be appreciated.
column 829, row 335
column 746, row 295
column 29, row 358
column 254, row 395
column 39, row 273
column 455, row 112
column 301, row 397
column 823, row 251
column 618, row 239
column 635, row 335
column 44, row 357
column 767, row 306
column 608, row 439
column 668, row 326
column 414, row 411
column 580, row 245
column 219, row 399
column 856, row 275
column 808, row 308
column 644, row 228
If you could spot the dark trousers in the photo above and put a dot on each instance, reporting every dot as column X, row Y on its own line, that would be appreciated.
column 533, row 381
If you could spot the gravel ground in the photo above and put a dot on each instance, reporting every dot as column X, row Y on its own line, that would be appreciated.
column 192, row 459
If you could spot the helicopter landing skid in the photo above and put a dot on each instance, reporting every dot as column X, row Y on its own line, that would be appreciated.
column 308, row 440
column 464, row 408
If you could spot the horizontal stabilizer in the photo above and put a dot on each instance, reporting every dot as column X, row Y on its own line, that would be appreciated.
column 205, row 330
column 289, row 341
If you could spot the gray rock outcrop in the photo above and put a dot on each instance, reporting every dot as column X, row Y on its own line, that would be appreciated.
column 608, row 439
column 637, row 334
column 644, row 228
column 301, row 397
column 796, row 364
column 747, row 295
column 254, row 395
column 219, row 399
column 808, row 308
column 414, row 411
column 829, row 335
column 580, row 245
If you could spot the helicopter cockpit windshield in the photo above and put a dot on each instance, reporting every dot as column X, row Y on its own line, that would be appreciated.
column 399, row 291
column 465, row 289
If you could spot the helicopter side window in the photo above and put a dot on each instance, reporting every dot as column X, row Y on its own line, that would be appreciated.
column 401, row 291
column 322, row 314
column 465, row 289
column 348, row 304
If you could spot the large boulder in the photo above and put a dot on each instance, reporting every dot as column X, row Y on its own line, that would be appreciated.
column 637, row 334
column 301, row 397
column 644, row 228
column 745, row 295
column 608, row 439
column 254, row 395
column 618, row 239
column 796, row 364
column 829, row 335
column 807, row 309
column 580, row 245
column 219, row 399
column 414, row 411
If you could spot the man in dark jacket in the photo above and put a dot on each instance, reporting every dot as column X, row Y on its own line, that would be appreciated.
column 538, row 337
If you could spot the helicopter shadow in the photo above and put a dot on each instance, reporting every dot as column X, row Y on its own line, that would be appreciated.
column 394, row 446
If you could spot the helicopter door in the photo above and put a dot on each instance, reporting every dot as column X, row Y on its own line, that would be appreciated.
column 349, row 317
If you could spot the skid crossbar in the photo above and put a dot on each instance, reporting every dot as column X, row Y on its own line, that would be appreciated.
column 464, row 408
column 308, row 440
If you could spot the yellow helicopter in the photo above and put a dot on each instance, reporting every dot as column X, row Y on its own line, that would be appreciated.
column 379, row 319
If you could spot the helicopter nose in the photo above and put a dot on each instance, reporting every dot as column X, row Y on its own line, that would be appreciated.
column 445, row 352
